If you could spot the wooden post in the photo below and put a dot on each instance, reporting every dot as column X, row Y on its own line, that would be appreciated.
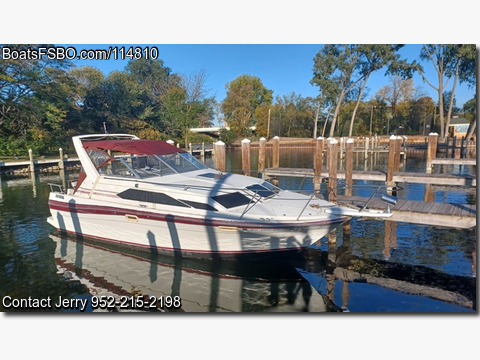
column 391, row 160
column 268, row 125
column 246, row 157
column 332, row 180
column 318, row 164
column 203, row 151
column 327, row 163
column 261, row 156
column 398, row 150
column 220, row 157
column 276, row 152
column 190, row 149
column 454, row 147
column 349, row 167
column 32, row 164
column 366, row 147
column 61, row 163
column 429, row 195
column 431, row 151
column 342, row 146
column 332, row 170
column 390, row 239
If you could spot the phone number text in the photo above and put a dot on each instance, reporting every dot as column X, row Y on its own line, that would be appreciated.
column 136, row 302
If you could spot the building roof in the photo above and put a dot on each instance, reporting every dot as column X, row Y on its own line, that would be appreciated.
column 459, row 121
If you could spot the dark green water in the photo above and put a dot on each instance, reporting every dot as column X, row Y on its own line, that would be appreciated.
column 377, row 266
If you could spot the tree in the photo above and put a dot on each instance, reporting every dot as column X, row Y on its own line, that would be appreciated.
column 374, row 57
column 333, row 72
column 457, row 62
column 420, row 115
column 292, row 115
column 154, row 78
column 89, row 98
column 397, row 92
column 244, row 95
column 470, row 108
column 35, row 98
column 198, row 108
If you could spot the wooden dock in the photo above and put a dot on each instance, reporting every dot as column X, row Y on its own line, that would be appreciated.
column 425, row 212
column 398, row 177
column 201, row 149
column 462, row 216
column 40, row 164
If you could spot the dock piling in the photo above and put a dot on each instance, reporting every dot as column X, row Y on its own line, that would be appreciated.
column 431, row 151
column 276, row 152
column 261, row 155
column 32, row 164
column 349, row 167
column 398, row 151
column 246, row 157
column 366, row 147
column 220, row 156
column 391, row 160
column 61, row 162
column 332, row 180
column 332, row 169
column 318, row 164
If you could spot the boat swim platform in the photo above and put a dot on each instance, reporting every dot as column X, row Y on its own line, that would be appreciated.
column 410, row 177
column 461, row 216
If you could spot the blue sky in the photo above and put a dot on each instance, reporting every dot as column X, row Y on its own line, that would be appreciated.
column 283, row 68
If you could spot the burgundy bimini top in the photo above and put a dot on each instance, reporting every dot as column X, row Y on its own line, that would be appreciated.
column 136, row 147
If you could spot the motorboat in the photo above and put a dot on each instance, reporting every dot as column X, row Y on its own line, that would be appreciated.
column 154, row 196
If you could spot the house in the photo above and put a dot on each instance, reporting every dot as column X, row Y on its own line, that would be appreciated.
column 458, row 127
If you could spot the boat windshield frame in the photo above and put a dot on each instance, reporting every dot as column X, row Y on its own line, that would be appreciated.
column 146, row 166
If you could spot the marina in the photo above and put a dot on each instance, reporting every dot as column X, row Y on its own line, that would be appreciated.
column 393, row 266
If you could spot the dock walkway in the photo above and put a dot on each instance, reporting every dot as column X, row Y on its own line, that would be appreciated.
column 462, row 216
column 28, row 166
column 411, row 177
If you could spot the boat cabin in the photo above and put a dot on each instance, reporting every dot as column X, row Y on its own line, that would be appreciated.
column 139, row 158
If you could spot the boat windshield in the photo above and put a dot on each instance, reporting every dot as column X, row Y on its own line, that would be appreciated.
column 144, row 166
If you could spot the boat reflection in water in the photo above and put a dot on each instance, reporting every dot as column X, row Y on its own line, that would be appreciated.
column 317, row 280
column 202, row 285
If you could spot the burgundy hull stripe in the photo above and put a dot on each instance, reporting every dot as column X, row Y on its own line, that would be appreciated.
column 109, row 210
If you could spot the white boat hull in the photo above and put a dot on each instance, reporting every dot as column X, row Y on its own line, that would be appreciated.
column 153, row 196
column 186, row 236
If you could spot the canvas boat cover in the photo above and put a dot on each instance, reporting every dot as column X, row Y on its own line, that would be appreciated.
column 136, row 147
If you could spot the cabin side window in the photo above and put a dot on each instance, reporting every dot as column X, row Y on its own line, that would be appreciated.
column 232, row 200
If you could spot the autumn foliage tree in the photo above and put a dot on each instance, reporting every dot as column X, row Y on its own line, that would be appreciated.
column 245, row 95
column 44, row 102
